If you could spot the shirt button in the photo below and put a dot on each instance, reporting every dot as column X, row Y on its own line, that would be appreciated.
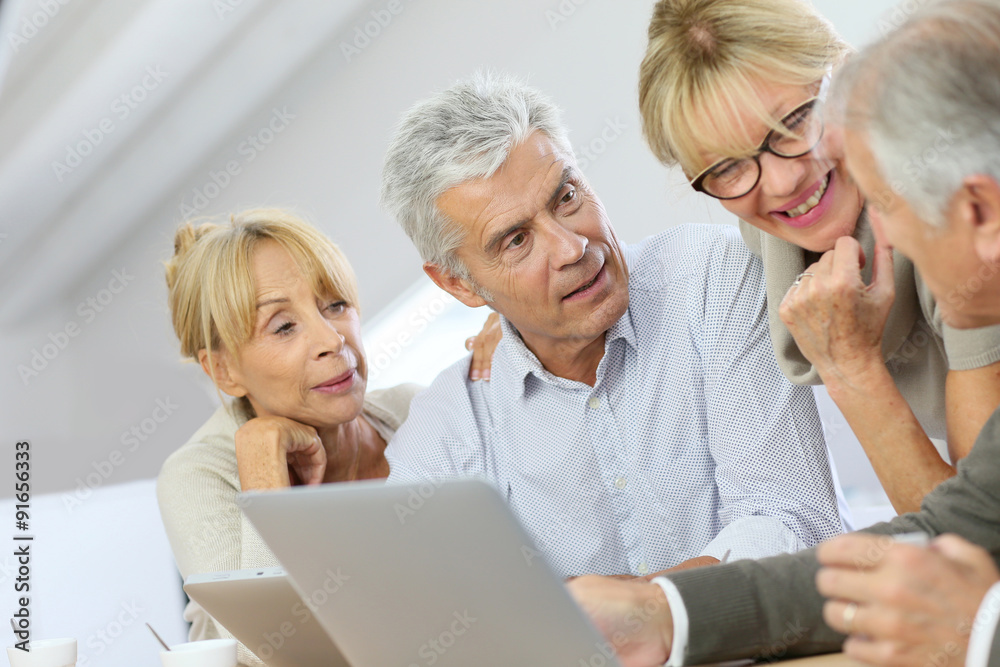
column 594, row 402
column 643, row 568
column 620, row 483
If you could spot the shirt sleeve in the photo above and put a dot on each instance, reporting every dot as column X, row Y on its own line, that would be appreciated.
column 440, row 438
column 678, row 612
column 966, row 349
column 984, row 642
column 971, row 348
column 772, row 472
column 753, row 537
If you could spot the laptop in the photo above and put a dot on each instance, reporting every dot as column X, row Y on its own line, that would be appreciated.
column 266, row 614
column 437, row 574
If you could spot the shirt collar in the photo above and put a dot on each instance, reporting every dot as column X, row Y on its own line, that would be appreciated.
column 519, row 362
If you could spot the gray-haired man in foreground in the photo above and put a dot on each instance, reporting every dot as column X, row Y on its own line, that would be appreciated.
column 894, row 603
column 635, row 419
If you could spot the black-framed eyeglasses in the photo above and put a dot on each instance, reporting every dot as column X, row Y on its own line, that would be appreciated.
column 732, row 178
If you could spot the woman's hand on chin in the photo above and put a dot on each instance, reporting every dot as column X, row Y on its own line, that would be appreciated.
column 270, row 449
column 836, row 319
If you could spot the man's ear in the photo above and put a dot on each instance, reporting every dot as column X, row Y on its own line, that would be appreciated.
column 460, row 288
column 223, row 375
column 981, row 214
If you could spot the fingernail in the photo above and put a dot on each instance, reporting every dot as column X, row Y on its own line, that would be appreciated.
column 475, row 375
column 486, row 375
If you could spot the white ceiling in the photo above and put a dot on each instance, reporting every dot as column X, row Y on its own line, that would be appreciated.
column 113, row 103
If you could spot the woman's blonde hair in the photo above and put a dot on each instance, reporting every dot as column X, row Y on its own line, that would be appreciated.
column 210, row 282
column 704, row 61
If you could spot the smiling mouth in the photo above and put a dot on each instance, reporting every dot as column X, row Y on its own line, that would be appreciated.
column 336, row 382
column 587, row 286
column 811, row 203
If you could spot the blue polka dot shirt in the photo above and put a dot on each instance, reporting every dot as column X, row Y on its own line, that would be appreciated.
column 690, row 443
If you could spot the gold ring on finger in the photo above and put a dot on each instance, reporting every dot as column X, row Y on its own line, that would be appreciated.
column 798, row 279
column 850, row 611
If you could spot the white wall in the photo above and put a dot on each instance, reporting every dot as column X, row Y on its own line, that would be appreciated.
column 326, row 163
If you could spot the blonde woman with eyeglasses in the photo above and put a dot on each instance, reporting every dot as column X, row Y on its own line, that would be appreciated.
column 732, row 92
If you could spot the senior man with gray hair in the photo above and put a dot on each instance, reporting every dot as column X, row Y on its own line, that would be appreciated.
column 636, row 419
column 893, row 601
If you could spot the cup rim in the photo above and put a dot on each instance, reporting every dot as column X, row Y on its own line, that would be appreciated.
column 201, row 645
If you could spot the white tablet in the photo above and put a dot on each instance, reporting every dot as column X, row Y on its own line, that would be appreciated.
column 264, row 612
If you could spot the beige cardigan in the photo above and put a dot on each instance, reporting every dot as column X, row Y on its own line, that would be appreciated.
column 197, row 492
column 918, row 347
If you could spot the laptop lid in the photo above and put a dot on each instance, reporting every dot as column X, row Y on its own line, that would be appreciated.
column 440, row 574
column 265, row 613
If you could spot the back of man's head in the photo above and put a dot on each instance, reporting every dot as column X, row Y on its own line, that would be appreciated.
column 463, row 133
column 928, row 98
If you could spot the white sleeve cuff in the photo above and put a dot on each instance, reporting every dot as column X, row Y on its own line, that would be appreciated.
column 983, row 630
column 678, row 611
column 753, row 537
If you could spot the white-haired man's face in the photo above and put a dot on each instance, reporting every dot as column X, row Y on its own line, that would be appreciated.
column 539, row 242
column 959, row 261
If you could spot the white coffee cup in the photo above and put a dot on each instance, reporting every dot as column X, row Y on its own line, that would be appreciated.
column 206, row 653
column 44, row 653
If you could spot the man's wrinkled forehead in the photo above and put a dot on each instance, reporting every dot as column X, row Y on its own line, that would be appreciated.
column 531, row 176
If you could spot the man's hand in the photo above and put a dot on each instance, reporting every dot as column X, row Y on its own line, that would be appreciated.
column 271, row 450
column 904, row 605
column 698, row 561
column 633, row 616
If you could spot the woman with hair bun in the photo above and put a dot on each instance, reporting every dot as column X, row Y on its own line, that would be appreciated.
column 732, row 93
column 268, row 306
